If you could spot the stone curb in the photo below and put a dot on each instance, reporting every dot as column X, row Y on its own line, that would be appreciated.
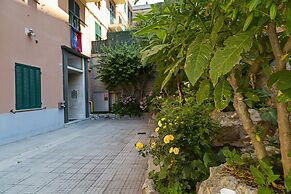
column 148, row 186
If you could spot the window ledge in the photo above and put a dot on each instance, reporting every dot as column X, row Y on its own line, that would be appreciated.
column 26, row 110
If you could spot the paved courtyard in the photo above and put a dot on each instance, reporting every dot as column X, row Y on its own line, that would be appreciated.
column 86, row 157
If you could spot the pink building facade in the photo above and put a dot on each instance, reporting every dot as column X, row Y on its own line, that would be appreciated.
column 43, row 77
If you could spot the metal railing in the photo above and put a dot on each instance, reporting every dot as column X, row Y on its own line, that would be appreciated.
column 113, row 38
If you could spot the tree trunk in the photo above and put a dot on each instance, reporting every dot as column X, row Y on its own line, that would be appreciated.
column 179, row 86
column 282, row 112
column 244, row 116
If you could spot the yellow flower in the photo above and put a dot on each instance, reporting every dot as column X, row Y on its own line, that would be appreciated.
column 163, row 119
column 153, row 145
column 176, row 151
column 171, row 124
column 160, row 124
column 171, row 150
column 157, row 129
column 168, row 138
column 165, row 127
column 139, row 146
column 258, row 138
column 182, row 122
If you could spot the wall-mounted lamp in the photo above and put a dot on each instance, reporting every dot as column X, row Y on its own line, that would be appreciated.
column 30, row 33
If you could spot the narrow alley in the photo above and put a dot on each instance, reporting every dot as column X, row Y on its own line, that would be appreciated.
column 86, row 157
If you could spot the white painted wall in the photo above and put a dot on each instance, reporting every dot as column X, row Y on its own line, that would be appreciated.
column 21, row 125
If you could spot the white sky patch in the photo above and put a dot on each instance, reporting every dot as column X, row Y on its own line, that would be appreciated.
column 143, row 2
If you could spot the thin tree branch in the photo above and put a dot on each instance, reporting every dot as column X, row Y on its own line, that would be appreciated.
column 277, row 51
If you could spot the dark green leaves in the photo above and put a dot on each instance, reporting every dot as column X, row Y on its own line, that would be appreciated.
column 264, row 177
column 282, row 80
column 198, row 57
column 222, row 94
column 270, row 115
column 259, row 177
column 121, row 66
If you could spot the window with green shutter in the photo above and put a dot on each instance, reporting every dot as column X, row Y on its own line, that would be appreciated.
column 97, row 31
column 27, row 87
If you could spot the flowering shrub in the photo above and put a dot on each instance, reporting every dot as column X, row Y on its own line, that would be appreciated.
column 130, row 106
column 182, row 147
column 143, row 104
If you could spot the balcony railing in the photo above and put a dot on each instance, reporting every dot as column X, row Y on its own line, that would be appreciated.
column 97, row 46
column 114, row 38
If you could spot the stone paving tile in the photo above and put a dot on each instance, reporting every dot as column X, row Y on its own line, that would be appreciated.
column 87, row 157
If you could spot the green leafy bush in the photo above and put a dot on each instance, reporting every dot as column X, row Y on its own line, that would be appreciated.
column 264, row 174
column 120, row 69
column 264, row 177
column 182, row 147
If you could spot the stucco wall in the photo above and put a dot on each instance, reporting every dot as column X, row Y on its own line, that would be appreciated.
column 15, row 46
column 26, row 124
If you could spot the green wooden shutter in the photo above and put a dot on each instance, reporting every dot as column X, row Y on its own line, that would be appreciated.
column 27, row 87
column 98, row 31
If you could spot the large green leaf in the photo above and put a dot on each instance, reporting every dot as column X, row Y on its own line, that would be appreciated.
column 222, row 94
column 197, row 59
column 152, row 51
column 203, row 92
column 148, row 29
column 227, row 57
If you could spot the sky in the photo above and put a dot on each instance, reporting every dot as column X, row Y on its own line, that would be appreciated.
column 142, row 2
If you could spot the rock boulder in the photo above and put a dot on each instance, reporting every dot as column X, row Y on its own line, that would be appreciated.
column 220, row 179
